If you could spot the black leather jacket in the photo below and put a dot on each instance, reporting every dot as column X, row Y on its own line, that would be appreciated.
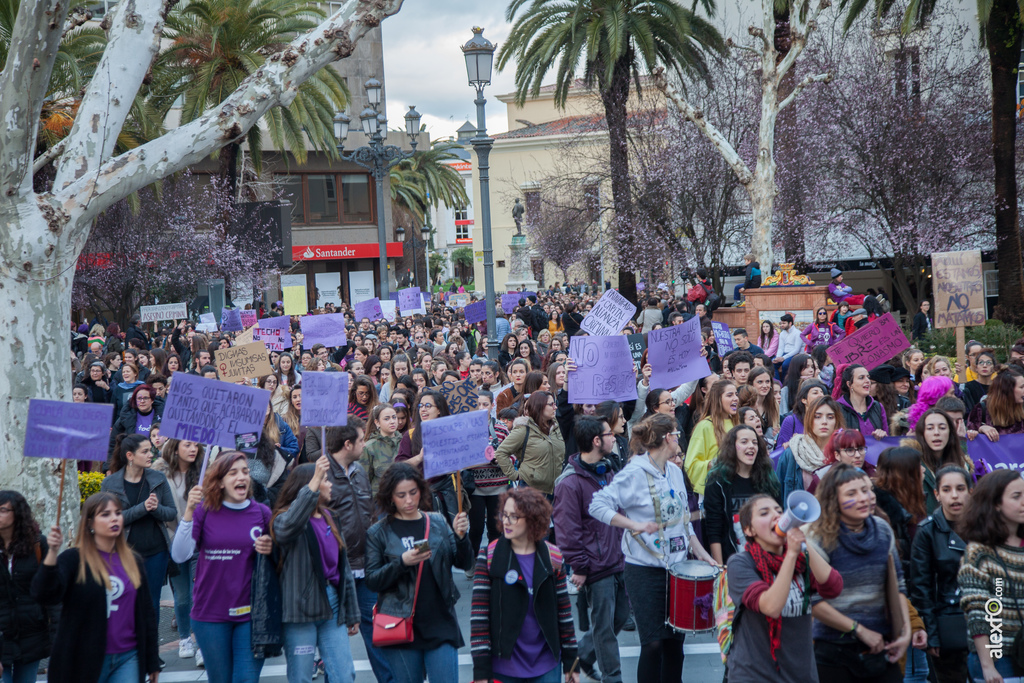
column 934, row 563
column 395, row 583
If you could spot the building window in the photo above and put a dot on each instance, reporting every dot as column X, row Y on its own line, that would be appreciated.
column 314, row 198
column 501, row 264
column 462, row 213
column 532, row 206
column 462, row 232
column 908, row 73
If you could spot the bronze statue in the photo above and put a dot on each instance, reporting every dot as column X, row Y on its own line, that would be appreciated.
column 517, row 215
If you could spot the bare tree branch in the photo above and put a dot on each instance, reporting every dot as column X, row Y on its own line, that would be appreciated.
column 46, row 157
column 79, row 15
column 820, row 78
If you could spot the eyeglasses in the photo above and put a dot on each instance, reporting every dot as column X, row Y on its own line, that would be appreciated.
column 607, row 433
column 667, row 401
column 854, row 451
column 143, row 398
column 511, row 518
column 985, row 364
column 426, row 405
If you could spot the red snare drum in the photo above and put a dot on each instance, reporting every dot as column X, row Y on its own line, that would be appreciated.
column 691, row 586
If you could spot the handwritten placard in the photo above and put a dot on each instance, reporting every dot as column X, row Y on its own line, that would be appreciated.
column 249, row 317
column 59, row 429
column 674, row 354
column 723, row 337
column 390, row 310
column 637, row 344
column 244, row 361
column 455, row 442
column 604, row 370
column 871, row 345
column 509, row 301
column 327, row 329
column 325, row 399
column 410, row 301
column 461, row 396
column 212, row 412
column 152, row 314
column 273, row 340
column 459, row 300
column 369, row 309
column 476, row 312
column 231, row 320
column 609, row 315
column 959, row 288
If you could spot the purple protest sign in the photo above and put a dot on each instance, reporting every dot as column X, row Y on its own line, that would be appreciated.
column 527, row 294
column 212, row 412
column 454, row 442
column 249, row 318
column 370, row 309
column 723, row 337
column 476, row 312
column 1005, row 454
column 509, row 301
column 327, row 329
column 231, row 320
column 281, row 322
column 604, row 370
column 324, row 399
column 54, row 425
column 674, row 354
column 876, row 446
column 409, row 300
column 871, row 345
column 609, row 315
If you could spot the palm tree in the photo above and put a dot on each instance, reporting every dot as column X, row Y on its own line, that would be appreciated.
column 424, row 180
column 462, row 259
column 617, row 41
column 216, row 44
column 1002, row 27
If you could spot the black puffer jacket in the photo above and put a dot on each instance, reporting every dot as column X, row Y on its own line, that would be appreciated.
column 125, row 422
column 25, row 623
column 934, row 564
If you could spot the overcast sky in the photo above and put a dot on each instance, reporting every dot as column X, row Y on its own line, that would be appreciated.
column 424, row 66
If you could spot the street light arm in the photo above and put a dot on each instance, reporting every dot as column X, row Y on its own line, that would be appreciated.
column 378, row 159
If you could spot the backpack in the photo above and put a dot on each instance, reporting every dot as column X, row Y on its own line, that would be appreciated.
column 727, row 615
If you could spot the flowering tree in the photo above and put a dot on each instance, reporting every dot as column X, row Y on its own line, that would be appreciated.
column 163, row 250
column 565, row 231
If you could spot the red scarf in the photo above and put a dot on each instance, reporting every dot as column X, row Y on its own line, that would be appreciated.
column 768, row 566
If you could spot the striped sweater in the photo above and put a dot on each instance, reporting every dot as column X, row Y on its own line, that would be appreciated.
column 984, row 577
column 483, row 632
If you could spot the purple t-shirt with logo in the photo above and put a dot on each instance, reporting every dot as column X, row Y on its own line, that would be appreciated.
column 328, row 549
column 225, row 544
column 531, row 656
column 120, row 607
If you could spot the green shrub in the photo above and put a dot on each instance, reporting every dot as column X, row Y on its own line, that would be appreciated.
column 994, row 333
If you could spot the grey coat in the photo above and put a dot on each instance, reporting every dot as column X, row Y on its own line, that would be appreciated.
column 303, row 584
column 165, row 511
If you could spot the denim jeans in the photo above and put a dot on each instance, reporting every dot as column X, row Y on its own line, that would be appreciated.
column 916, row 669
column 21, row 672
column 156, row 573
column 227, row 651
column 553, row 676
column 411, row 666
column 302, row 639
column 378, row 662
column 608, row 608
column 120, row 668
column 1004, row 666
column 181, row 586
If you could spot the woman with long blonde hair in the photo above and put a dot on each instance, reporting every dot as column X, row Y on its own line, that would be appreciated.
column 719, row 416
column 108, row 627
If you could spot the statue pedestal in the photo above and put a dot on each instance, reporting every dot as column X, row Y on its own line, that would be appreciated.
column 520, row 272
column 769, row 303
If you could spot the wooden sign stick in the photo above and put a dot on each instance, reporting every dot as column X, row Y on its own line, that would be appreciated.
column 961, row 353
column 458, row 488
column 60, row 495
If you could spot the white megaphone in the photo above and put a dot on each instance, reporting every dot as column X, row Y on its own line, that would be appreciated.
column 801, row 508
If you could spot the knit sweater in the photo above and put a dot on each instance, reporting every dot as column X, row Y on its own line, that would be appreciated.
column 862, row 560
column 986, row 573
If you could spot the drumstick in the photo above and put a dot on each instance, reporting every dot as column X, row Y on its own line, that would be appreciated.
column 573, row 667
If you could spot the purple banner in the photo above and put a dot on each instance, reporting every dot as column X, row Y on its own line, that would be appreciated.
column 212, row 412
column 476, row 312
column 674, row 355
column 509, row 301
column 604, row 370
column 327, row 329
column 60, row 429
column 723, row 337
column 368, row 309
column 1007, row 453
column 876, row 446
column 527, row 294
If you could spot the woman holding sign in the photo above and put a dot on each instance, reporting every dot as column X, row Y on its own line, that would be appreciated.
column 108, row 628
column 431, row 405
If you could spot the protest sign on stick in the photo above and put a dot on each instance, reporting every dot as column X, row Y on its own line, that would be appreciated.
column 244, row 361
column 637, row 344
column 604, row 370
column 609, row 315
column 871, row 345
column 327, row 329
column 212, row 412
column 959, row 294
column 369, row 309
column 454, row 443
column 249, row 317
column 476, row 312
column 152, row 314
column 509, row 301
column 723, row 337
column 674, row 354
column 324, row 399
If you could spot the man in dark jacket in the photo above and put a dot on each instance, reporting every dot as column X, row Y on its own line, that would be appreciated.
column 352, row 501
column 539, row 319
column 593, row 549
column 136, row 332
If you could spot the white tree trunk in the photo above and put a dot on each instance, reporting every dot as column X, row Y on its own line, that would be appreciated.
column 41, row 236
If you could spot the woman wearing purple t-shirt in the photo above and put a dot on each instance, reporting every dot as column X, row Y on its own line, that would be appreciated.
column 318, row 591
column 107, row 630
column 225, row 528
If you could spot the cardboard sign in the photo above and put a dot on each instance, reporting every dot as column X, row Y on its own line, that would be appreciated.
column 152, row 314
column 723, row 337
column 509, row 301
column 476, row 312
column 324, row 399
column 231, row 320
column 212, row 412
column 370, row 309
column 390, row 310
column 871, row 345
column 461, row 396
column 244, row 361
column 454, row 443
column 959, row 289
column 410, row 301
column 244, row 337
column 674, row 355
column 59, row 429
column 609, row 315
column 293, row 294
column 459, row 300
column 604, row 370
column 249, row 318
column 327, row 329
column 637, row 344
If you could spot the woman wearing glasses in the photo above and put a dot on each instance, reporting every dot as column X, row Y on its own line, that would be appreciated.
column 977, row 388
column 847, row 446
column 821, row 331
column 431, row 405
column 536, row 442
column 648, row 500
column 137, row 417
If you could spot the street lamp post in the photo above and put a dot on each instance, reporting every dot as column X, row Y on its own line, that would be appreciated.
column 377, row 158
column 415, row 244
column 479, row 54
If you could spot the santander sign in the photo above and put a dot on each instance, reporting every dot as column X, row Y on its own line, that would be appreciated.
column 326, row 252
